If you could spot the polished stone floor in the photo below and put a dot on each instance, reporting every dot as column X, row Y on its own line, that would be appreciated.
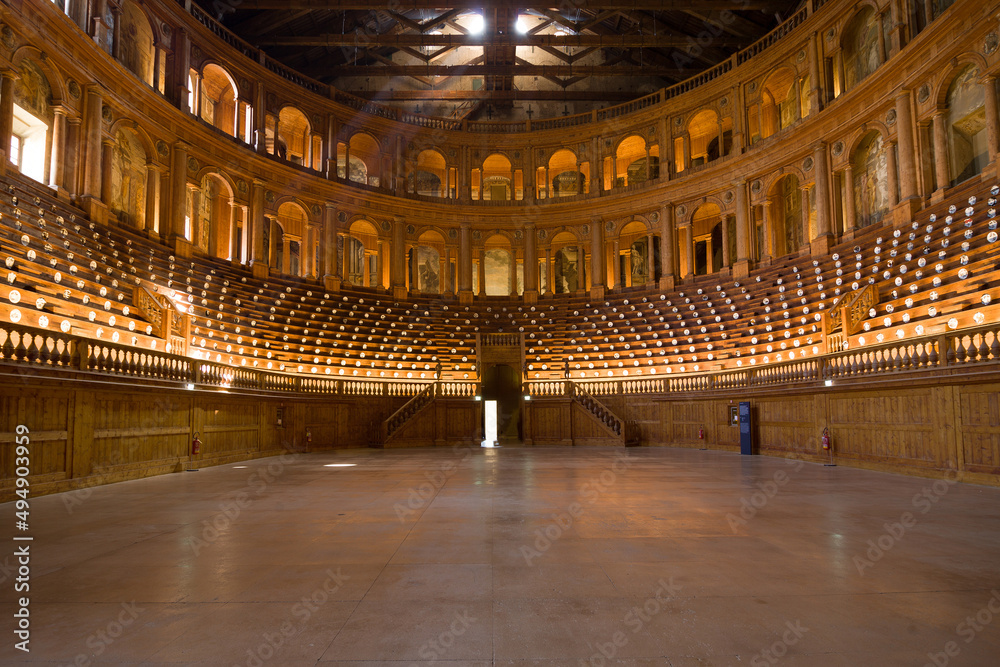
column 512, row 556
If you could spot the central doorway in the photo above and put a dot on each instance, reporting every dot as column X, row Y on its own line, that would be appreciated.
column 502, row 383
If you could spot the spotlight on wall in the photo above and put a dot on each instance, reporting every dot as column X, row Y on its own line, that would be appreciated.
column 190, row 386
column 828, row 383
column 479, row 398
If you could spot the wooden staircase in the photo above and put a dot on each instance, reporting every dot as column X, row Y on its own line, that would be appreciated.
column 626, row 431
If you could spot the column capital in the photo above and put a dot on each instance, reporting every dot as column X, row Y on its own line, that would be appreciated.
column 259, row 181
column 331, row 206
column 398, row 219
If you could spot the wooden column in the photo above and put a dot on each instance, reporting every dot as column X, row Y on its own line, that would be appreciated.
column 688, row 236
column 650, row 261
column 465, row 263
column 397, row 267
column 150, row 220
column 992, row 129
column 71, row 164
column 667, row 246
column 821, row 241
column 530, row 262
column 906, row 159
column 258, row 253
column 850, row 214
column 331, row 277
column 178, row 192
column 726, row 259
column 597, row 257
column 742, row 266
column 815, row 88
column 182, row 67
column 92, row 143
column 941, row 171
column 891, row 174
column 58, row 154
column 107, row 159
column 482, row 272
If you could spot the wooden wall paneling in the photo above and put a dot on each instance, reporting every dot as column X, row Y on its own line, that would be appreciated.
column 979, row 428
column 786, row 423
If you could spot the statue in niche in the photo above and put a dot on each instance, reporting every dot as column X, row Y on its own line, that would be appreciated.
column 871, row 190
column 127, row 179
column 32, row 91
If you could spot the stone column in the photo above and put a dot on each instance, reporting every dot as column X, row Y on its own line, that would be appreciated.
column 116, row 32
column 906, row 160
column 286, row 254
column 331, row 277
column 667, row 246
column 823, row 227
column 550, row 272
column 482, row 272
column 941, row 171
column 56, row 170
column 178, row 192
column 92, row 143
column 397, row 267
column 260, row 119
column 182, row 67
column 850, row 215
column 616, row 262
column 71, row 176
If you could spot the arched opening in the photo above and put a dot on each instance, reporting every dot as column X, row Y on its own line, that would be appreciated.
column 498, row 266
column 426, row 264
column 869, row 163
column 33, row 117
column 214, row 217
column 432, row 178
column 563, row 176
column 709, row 137
column 128, row 179
column 706, row 232
column 968, row 146
column 502, row 383
column 361, row 255
column 567, row 264
column 218, row 99
column 633, row 164
column 294, row 138
column 861, row 47
column 495, row 182
column 634, row 255
column 295, row 226
column 363, row 156
column 786, row 211
column 136, row 44
column 779, row 104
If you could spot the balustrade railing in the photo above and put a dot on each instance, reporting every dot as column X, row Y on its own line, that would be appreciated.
column 601, row 412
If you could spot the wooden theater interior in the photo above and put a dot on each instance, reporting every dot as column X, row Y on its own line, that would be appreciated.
column 373, row 237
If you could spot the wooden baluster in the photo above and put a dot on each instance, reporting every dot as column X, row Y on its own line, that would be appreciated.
column 960, row 350
column 984, row 350
column 995, row 346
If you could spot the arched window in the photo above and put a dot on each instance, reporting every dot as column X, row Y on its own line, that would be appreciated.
column 361, row 263
column 135, row 48
column 33, row 117
column 217, row 99
column 862, row 47
column 633, row 255
column 708, row 138
column 869, row 163
column 633, row 163
column 968, row 146
column 567, row 264
column 128, row 179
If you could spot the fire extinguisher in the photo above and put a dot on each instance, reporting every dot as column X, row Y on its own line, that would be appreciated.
column 826, row 438
column 195, row 445
column 701, row 434
column 309, row 437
